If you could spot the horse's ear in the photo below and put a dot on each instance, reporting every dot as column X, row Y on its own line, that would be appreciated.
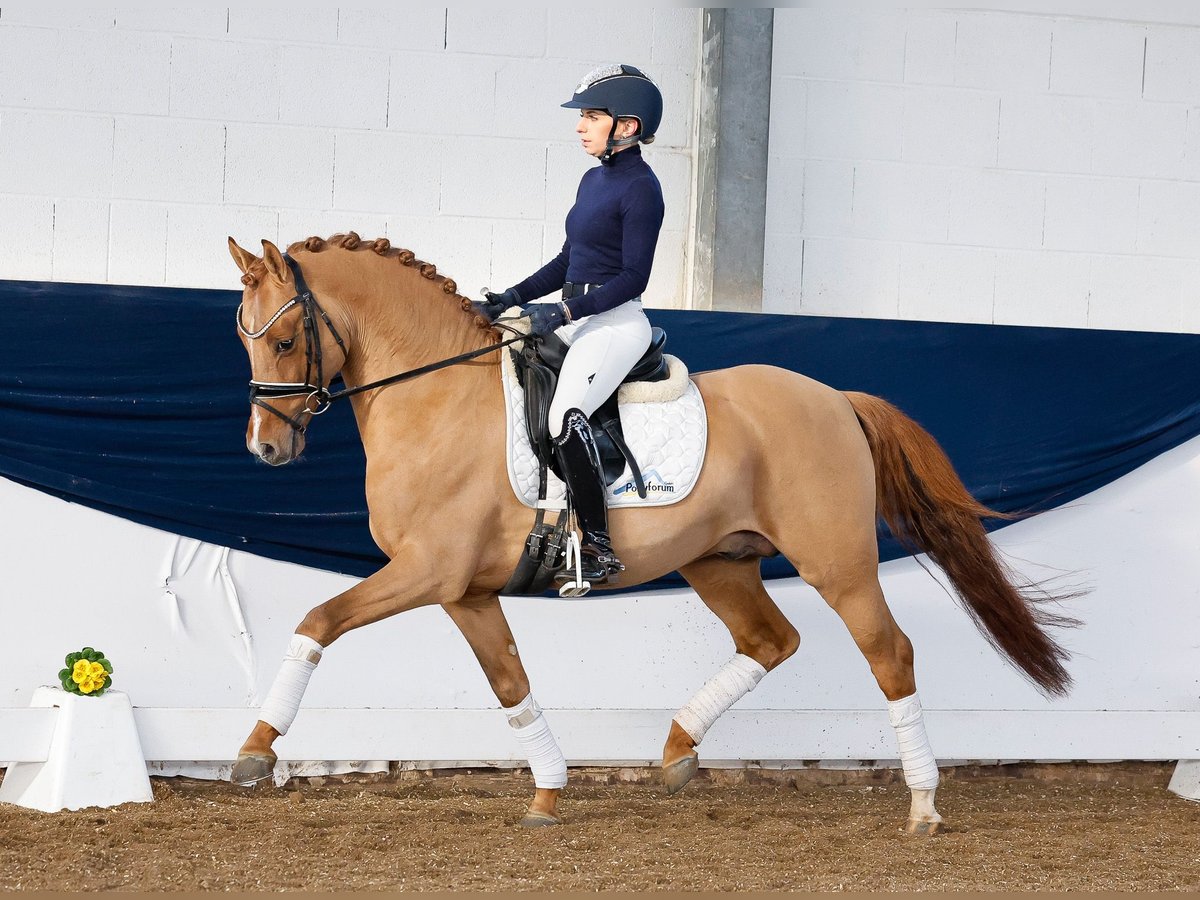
column 243, row 258
column 273, row 260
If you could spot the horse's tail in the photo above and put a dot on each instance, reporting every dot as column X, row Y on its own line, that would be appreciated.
column 927, row 508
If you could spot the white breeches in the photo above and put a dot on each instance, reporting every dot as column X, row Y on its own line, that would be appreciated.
column 604, row 347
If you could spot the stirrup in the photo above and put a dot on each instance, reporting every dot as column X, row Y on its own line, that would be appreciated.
column 576, row 587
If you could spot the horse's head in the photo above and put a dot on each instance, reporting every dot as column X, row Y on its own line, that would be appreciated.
column 294, row 350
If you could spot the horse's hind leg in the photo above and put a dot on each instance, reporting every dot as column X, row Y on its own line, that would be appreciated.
column 762, row 636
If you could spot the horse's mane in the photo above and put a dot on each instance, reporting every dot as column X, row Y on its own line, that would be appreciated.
column 383, row 247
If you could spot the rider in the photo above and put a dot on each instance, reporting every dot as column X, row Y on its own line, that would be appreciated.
column 602, row 270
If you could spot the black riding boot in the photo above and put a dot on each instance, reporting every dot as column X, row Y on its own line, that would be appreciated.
column 579, row 462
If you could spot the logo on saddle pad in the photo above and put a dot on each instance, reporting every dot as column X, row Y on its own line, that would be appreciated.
column 655, row 484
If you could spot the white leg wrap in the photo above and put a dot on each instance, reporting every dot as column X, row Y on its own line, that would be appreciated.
column 546, row 761
column 736, row 678
column 916, row 756
column 283, row 702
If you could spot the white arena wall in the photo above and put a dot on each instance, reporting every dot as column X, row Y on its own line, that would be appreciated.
column 133, row 141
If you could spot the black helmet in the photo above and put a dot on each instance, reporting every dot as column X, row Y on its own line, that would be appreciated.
column 622, row 92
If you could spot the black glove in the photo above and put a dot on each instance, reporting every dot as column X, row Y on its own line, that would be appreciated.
column 545, row 317
column 495, row 304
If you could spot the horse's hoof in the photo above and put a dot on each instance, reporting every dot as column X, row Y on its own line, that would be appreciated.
column 539, row 820
column 923, row 829
column 251, row 768
column 679, row 773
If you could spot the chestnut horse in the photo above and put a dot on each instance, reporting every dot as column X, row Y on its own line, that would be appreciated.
column 792, row 466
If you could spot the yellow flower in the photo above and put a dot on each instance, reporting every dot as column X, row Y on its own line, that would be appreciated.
column 81, row 670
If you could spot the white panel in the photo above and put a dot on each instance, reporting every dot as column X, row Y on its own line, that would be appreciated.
column 279, row 165
column 843, row 44
column 27, row 236
column 168, row 159
column 946, row 284
column 197, row 250
column 1139, row 139
column 506, row 31
column 284, row 23
column 80, row 240
column 137, row 243
column 992, row 208
column 929, row 46
column 385, row 172
column 894, row 200
column 406, row 27
column 1002, row 51
column 854, row 121
column 1046, row 133
column 1135, row 293
column 56, row 154
column 225, row 80
column 951, row 127
column 470, row 186
column 1098, row 59
column 1097, row 214
column 1169, row 218
column 850, row 278
column 333, row 87
column 446, row 95
column 1042, row 289
column 1172, row 64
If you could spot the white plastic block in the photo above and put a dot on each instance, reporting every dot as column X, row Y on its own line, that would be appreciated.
column 845, row 44
column 1169, row 218
column 950, row 127
column 81, row 240
column 785, row 212
column 674, row 171
column 1185, row 780
column 854, row 121
column 407, row 27
column 612, row 34
column 992, row 208
column 516, row 254
column 1137, row 293
column 460, row 248
column 273, row 165
column 1172, row 64
column 196, row 21
column 1046, row 133
column 501, row 31
column 114, row 71
column 447, row 95
column 29, row 66
column 1091, row 214
column 1097, row 59
column 1140, row 139
column 344, row 87
column 676, row 38
column 229, row 81
column 1002, row 51
column 789, row 116
column 666, row 287
column 158, row 158
column 27, row 236
column 902, row 202
column 95, row 756
column 1025, row 279
column 529, row 94
column 385, row 172
column 828, row 196
column 197, row 252
column 946, row 284
column 850, row 278
column 494, row 178
column 56, row 154
column 929, row 46
column 284, row 24
column 137, row 243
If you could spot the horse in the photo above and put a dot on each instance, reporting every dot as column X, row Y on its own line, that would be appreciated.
column 792, row 467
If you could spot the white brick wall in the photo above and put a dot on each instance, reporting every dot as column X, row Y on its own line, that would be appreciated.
column 134, row 139
column 986, row 166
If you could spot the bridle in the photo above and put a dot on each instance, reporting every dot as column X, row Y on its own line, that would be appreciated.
column 315, row 392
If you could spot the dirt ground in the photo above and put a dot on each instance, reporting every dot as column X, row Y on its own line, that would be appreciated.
column 1062, row 827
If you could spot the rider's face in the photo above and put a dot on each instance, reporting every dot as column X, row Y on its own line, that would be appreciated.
column 594, row 126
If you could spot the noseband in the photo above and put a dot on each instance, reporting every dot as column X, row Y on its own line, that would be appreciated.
column 316, row 392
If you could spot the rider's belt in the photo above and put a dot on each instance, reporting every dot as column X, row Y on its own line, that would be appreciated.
column 571, row 290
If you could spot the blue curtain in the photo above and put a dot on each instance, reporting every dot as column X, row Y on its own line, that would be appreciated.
column 133, row 401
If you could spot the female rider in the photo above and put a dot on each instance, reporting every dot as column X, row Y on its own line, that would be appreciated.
column 602, row 270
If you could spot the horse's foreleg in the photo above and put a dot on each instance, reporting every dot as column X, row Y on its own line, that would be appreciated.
column 482, row 622
column 762, row 636
column 374, row 598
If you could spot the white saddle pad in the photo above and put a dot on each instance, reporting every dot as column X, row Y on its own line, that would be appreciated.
column 664, row 425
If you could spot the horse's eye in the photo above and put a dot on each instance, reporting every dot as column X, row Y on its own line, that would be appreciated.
column 285, row 346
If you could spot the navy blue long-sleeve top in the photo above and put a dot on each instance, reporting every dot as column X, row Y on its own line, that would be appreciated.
column 611, row 233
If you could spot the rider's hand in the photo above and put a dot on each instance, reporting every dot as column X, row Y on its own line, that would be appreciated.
column 494, row 304
column 545, row 317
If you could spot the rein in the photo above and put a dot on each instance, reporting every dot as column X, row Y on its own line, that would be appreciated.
column 317, row 391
